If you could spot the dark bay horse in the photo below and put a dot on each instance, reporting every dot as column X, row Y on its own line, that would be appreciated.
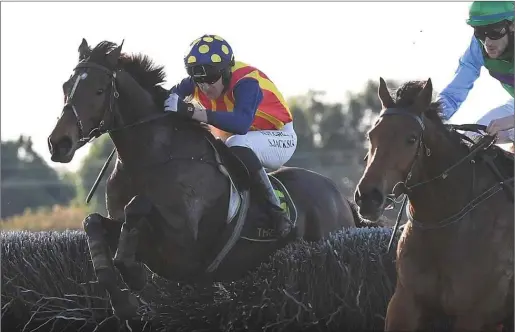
column 455, row 255
column 178, row 200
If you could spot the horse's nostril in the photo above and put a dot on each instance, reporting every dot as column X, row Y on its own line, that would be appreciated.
column 372, row 197
column 376, row 196
column 65, row 144
column 62, row 147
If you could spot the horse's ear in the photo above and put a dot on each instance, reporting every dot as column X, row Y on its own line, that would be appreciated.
column 384, row 94
column 424, row 96
column 113, row 56
column 84, row 50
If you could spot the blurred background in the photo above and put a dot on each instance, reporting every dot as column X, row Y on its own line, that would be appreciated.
column 326, row 58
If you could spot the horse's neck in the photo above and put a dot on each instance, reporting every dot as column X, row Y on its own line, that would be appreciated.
column 442, row 197
column 156, row 142
column 135, row 105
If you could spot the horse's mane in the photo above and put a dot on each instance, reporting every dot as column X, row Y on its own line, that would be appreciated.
column 405, row 96
column 149, row 75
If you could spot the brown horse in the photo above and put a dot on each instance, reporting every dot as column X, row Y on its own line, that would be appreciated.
column 178, row 200
column 455, row 255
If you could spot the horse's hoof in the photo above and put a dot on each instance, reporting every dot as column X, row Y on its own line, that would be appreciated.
column 126, row 306
column 134, row 276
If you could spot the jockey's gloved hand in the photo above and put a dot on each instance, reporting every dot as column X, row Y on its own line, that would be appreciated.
column 505, row 136
column 174, row 104
column 185, row 109
column 171, row 103
column 501, row 124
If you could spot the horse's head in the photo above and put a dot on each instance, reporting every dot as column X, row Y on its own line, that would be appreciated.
column 89, row 96
column 395, row 145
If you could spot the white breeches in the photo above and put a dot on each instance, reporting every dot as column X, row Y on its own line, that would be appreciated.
column 506, row 136
column 273, row 147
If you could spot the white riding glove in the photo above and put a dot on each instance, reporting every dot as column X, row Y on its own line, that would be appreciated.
column 171, row 103
column 505, row 136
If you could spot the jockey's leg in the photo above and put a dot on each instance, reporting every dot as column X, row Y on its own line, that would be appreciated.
column 270, row 149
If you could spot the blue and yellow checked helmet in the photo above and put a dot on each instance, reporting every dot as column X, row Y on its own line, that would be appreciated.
column 208, row 56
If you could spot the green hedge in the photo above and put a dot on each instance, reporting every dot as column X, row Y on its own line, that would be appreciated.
column 341, row 284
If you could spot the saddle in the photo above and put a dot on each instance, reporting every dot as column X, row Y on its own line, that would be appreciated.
column 235, row 167
column 239, row 176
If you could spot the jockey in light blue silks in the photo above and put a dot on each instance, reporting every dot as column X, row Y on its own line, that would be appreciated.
column 491, row 46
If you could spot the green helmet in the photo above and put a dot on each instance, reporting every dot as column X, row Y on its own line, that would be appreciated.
column 489, row 12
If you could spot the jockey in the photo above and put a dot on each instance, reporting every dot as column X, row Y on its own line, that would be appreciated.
column 491, row 46
column 242, row 101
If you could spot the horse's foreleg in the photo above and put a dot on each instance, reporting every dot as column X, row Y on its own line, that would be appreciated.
column 403, row 314
column 133, row 272
column 124, row 304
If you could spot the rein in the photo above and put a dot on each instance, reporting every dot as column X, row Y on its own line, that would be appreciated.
column 483, row 144
column 422, row 147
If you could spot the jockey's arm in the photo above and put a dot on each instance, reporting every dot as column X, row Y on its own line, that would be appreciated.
column 469, row 69
column 247, row 97
column 184, row 88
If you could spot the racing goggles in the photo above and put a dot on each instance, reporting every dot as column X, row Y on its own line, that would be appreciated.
column 493, row 31
column 204, row 74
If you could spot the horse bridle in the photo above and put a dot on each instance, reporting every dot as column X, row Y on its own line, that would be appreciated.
column 421, row 147
column 110, row 110
column 443, row 175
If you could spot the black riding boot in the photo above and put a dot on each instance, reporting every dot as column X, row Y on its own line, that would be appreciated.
column 262, row 183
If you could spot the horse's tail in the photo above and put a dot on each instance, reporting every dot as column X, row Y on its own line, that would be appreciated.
column 360, row 222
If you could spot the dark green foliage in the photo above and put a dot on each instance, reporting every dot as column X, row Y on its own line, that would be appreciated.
column 343, row 283
column 27, row 180
column 48, row 272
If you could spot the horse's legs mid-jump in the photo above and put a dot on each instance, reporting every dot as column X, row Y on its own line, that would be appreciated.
column 133, row 272
column 403, row 314
column 123, row 302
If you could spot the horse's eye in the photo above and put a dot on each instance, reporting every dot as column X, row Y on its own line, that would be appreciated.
column 100, row 91
column 412, row 139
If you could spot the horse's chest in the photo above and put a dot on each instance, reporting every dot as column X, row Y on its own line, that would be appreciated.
column 436, row 282
column 417, row 275
column 450, row 274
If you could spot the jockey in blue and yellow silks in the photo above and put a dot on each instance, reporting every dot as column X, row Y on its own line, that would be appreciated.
column 491, row 47
column 242, row 101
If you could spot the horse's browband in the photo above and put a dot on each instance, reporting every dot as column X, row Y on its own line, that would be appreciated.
column 402, row 111
column 96, row 66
